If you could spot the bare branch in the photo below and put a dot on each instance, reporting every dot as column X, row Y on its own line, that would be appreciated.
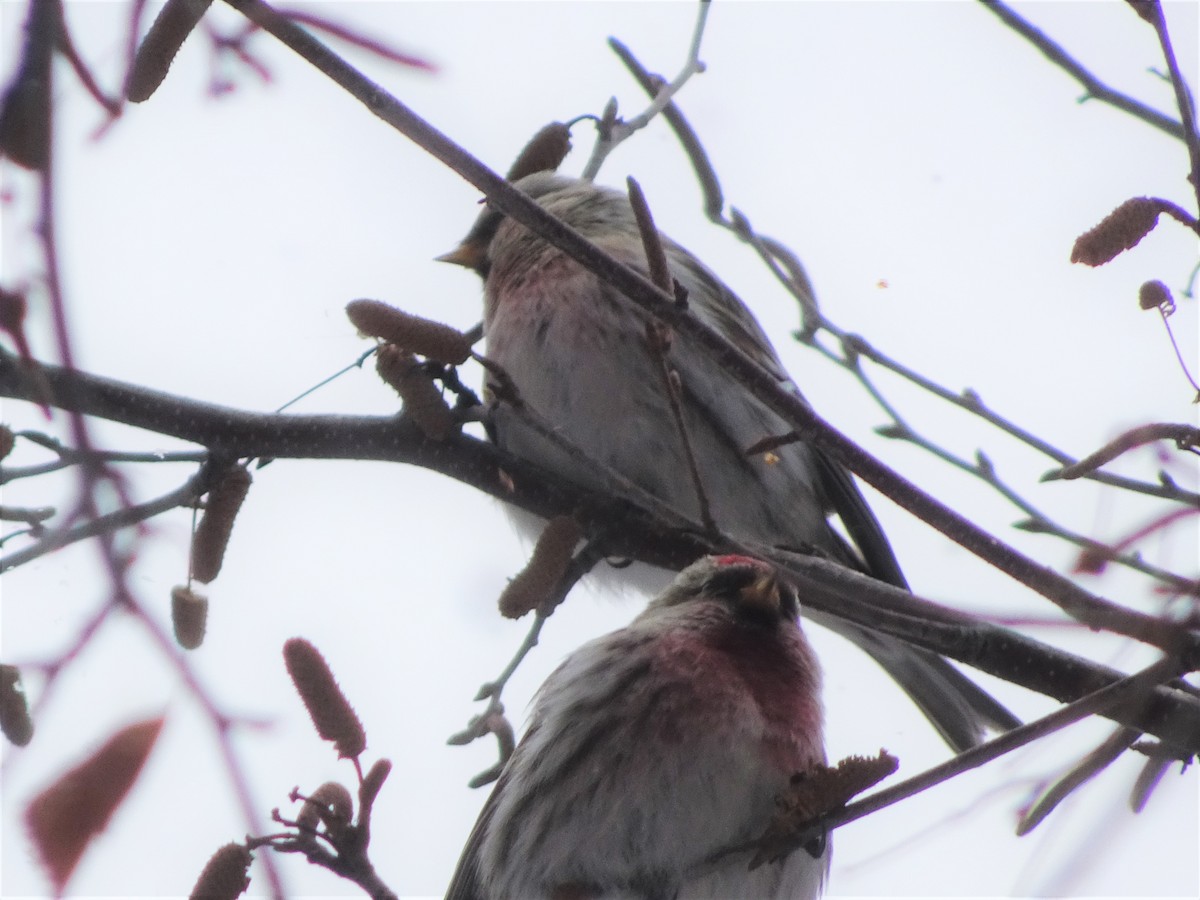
column 616, row 131
column 1185, row 436
column 1120, row 692
column 622, row 527
column 1096, row 89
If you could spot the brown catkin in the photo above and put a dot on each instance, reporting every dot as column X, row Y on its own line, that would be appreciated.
column 814, row 792
column 189, row 616
column 332, row 714
column 1155, row 295
column 216, row 525
column 225, row 875
column 175, row 21
column 423, row 401
column 14, row 707
column 1119, row 231
column 7, row 441
column 546, row 567
column 544, row 153
column 430, row 339
column 25, row 109
column 330, row 804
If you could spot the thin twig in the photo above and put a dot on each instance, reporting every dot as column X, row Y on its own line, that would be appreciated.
column 658, row 337
column 714, row 202
column 493, row 720
column 1184, row 365
column 613, row 132
column 1096, row 89
column 1183, row 99
column 68, row 456
column 855, row 346
column 1185, row 436
column 357, row 364
column 1121, row 692
column 1086, row 769
column 105, row 525
column 791, row 274
column 111, row 105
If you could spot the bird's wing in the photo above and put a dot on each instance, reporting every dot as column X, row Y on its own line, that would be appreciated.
column 465, row 883
column 956, row 706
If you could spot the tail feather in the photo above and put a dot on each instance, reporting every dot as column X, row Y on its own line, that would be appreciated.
column 957, row 707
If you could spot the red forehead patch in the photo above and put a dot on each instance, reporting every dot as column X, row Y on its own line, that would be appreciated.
column 734, row 559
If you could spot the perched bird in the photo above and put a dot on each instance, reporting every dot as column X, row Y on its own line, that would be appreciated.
column 577, row 351
column 654, row 748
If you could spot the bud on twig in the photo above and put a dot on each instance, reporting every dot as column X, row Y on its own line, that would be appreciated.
column 373, row 781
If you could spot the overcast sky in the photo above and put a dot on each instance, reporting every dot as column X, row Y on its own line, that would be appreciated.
column 930, row 168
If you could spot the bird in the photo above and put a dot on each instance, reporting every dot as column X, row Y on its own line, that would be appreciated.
column 576, row 350
column 656, row 750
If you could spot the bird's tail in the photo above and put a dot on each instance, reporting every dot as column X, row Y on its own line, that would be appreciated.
column 958, row 708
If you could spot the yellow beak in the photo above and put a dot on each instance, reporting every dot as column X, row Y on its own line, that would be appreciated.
column 762, row 595
column 468, row 254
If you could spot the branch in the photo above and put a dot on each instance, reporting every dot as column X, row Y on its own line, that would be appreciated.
column 1117, row 694
column 1185, row 436
column 855, row 346
column 621, row 528
column 790, row 272
column 1080, row 604
column 191, row 490
column 613, row 132
column 1096, row 89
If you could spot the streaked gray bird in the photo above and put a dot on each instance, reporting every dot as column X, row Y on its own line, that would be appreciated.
column 654, row 748
column 577, row 352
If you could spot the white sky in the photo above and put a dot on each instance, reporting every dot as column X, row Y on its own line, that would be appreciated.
column 209, row 248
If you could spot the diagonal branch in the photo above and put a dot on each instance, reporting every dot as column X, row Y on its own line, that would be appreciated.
column 1088, row 608
column 1096, row 89
column 623, row 527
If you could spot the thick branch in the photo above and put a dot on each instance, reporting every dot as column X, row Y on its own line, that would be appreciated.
column 1096, row 89
column 1080, row 604
column 622, row 527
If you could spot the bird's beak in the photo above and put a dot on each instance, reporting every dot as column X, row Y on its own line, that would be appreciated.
column 468, row 254
column 762, row 596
